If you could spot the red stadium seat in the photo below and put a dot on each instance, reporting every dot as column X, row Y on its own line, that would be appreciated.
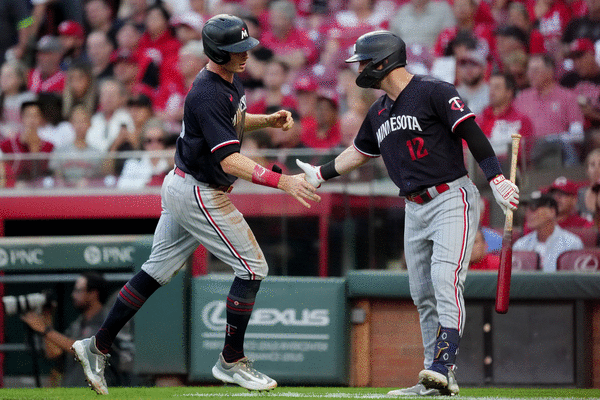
column 584, row 260
column 589, row 236
column 525, row 260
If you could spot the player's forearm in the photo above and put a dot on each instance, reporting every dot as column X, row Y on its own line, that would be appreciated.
column 256, row 121
column 349, row 160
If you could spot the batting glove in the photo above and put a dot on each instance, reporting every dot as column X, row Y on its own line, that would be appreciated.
column 312, row 174
column 505, row 192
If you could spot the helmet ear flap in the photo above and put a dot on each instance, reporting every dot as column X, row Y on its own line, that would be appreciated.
column 213, row 52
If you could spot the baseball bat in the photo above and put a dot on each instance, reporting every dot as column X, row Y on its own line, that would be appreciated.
column 505, row 269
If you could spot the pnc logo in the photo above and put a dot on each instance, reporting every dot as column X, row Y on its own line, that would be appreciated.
column 214, row 316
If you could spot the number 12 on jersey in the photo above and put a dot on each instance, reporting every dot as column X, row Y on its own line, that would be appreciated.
column 418, row 145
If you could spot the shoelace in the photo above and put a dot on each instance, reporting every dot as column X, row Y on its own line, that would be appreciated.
column 247, row 364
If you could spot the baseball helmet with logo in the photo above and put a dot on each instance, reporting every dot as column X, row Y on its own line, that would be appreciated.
column 224, row 34
column 382, row 48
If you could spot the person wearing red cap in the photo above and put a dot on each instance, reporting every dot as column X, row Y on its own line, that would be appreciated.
column 564, row 192
column 72, row 38
column 584, row 80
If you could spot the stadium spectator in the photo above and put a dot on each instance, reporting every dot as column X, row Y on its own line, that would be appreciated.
column 72, row 39
column 128, row 36
column 188, row 27
column 56, row 130
column 358, row 100
column 306, row 88
column 136, row 72
column 100, row 49
column 140, row 109
column 27, row 142
column 150, row 169
column 77, row 164
column 509, row 39
column 564, row 192
column 326, row 134
column 584, row 80
column 464, row 13
column 47, row 76
column 13, row 93
column 286, row 142
column 80, row 88
column 587, row 26
column 547, row 239
column 259, row 10
column 589, row 200
column 360, row 17
column 518, row 16
column 557, row 119
column 500, row 119
column 158, row 42
column 472, row 86
column 481, row 259
column 515, row 64
column 108, row 121
column 16, row 29
column 89, row 296
column 169, row 98
column 419, row 22
column 551, row 17
column 134, row 11
column 275, row 91
column 287, row 42
column 99, row 17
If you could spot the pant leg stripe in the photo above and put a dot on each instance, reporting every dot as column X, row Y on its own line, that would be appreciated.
column 220, row 233
column 462, row 256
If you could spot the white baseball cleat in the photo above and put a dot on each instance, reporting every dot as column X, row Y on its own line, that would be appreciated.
column 418, row 390
column 447, row 385
column 93, row 364
column 241, row 373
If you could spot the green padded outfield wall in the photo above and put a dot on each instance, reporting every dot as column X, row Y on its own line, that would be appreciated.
column 298, row 333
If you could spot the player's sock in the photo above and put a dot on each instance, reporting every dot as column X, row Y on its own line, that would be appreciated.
column 446, row 348
column 240, row 302
column 130, row 299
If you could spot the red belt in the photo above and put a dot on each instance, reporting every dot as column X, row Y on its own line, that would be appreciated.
column 222, row 188
column 428, row 194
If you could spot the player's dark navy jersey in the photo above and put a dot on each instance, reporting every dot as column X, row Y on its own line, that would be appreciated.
column 415, row 134
column 214, row 116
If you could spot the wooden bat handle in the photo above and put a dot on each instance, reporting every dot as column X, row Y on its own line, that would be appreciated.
column 505, row 269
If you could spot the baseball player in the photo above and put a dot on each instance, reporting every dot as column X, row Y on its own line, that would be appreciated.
column 418, row 126
column 196, row 208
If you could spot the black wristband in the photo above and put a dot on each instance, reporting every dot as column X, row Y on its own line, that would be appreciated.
column 47, row 331
column 328, row 170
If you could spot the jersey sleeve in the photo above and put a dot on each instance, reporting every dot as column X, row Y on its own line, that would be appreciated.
column 366, row 141
column 215, row 123
column 449, row 106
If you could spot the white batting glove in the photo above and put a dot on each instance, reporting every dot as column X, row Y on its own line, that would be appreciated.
column 505, row 192
column 312, row 174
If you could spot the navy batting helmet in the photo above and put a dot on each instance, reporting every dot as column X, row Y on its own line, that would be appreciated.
column 382, row 48
column 224, row 34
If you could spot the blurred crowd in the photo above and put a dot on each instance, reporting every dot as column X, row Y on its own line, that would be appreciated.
column 82, row 80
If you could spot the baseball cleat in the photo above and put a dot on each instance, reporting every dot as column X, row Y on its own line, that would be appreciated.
column 241, row 373
column 93, row 364
column 418, row 390
column 446, row 384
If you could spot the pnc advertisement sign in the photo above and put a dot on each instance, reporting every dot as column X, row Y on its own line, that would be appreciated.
column 297, row 333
